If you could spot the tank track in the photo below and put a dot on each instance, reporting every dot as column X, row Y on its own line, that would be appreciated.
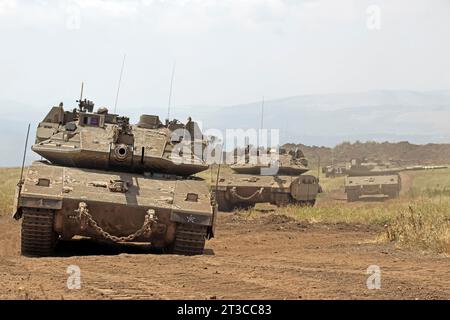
column 304, row 203
column 38, row 238
column 189, row 239
column 301, row 203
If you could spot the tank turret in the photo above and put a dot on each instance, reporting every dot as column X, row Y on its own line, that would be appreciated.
column 286, row 163
column 362, row 167
column 101, row 140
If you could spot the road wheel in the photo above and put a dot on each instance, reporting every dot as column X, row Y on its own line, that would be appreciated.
column 302, row 203
column 38, row 238
column 306, row 203
column 244, row 206
column 189, row 239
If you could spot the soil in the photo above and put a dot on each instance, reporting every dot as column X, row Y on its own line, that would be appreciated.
column 270, row 257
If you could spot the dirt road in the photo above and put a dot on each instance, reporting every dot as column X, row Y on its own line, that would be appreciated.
column 269, row 257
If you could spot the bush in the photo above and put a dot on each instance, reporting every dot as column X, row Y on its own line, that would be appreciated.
column 424, row 226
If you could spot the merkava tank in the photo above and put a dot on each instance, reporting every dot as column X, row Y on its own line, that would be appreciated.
column 369, row 179
column 280, row 183
column 106, row 179
column 334, row 171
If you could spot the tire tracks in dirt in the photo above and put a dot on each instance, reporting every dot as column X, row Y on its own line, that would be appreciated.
column 264, row 258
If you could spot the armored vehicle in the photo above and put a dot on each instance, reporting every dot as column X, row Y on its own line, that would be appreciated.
column 249, row 184
column 366, row 179
column 106, row 179
column 334, row 171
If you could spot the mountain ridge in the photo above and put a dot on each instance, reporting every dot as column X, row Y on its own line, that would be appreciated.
column 420, row 117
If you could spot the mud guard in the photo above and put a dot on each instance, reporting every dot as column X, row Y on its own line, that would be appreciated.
column 28, row 202
column 191, row 218
column 196, row 219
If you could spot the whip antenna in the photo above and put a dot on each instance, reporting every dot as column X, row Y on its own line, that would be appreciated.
column 218, row 170
column 118, row 86
column 318, row 166
column 170, row 92
column 80, row 103
column 24, row 154
column 261, row 126
column 17, row 214
column 81, row 93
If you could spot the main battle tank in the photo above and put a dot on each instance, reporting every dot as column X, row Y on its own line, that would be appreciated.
column 280, row 183
column 369, row 179
column 106, row 179
column 334, row 171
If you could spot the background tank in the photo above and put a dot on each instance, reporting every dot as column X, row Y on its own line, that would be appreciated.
column 369, row 179
column 292, row 163
column 109, row 180
column 246, row 186
column 363, row 168
column 334, row 171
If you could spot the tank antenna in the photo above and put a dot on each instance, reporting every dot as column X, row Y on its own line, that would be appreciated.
column 81, row 95
column 24, row 155
column 120, row 81
column 170, row 91
column 218, row 170
column 318, row 166
column 261, row 126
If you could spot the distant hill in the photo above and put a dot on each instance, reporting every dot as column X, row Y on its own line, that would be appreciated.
column 325, row 119
column 428, row 154
column 15, row 117
column 418, row 117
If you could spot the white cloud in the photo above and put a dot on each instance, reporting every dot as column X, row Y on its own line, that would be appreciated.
column 179, row 14
column 7, row 6
column 227, row 51
column 109, row 7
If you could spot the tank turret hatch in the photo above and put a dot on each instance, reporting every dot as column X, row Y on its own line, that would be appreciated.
column 149, row 122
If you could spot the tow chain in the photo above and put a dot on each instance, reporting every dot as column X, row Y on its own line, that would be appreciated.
column 86, row 219
column 256, row 193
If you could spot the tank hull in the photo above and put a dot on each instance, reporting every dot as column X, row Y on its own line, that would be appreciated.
column 243, row 191
column 113, row 205
column 358, row 187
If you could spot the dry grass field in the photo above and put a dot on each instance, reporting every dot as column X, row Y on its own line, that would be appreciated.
column 8, row 181
column 419, row 219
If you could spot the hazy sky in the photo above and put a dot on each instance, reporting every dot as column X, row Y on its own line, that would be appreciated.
column 226, row 51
